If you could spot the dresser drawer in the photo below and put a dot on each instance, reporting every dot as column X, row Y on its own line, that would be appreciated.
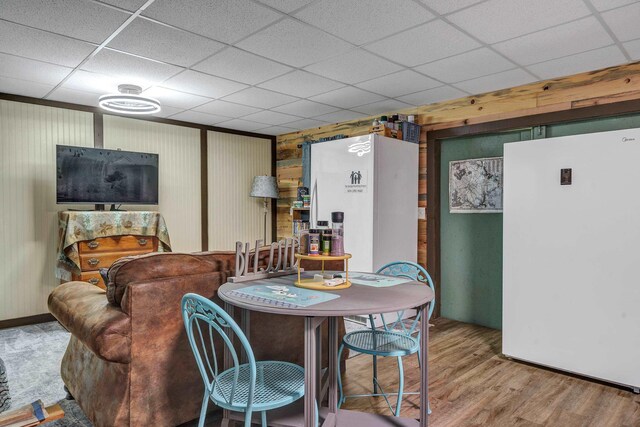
column 94, row 278
column 118, row 243
column 95, row 261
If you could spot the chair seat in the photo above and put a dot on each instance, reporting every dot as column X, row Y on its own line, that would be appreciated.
column 277, row 384
column 386, row 343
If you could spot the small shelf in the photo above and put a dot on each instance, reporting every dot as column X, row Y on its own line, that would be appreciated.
column 312, row 284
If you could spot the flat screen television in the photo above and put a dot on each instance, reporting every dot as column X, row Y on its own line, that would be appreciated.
column 100, row 176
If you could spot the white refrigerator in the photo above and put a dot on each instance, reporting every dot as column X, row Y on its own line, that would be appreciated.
column 571, row 296
column 374, row 181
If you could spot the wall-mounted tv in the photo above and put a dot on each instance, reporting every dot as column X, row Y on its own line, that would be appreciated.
column 97, row 175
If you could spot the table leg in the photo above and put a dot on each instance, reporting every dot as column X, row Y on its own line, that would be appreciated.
column 309, row 371
column 245, row 325
column 228, row 363
column 333, row 365
column 319, row 364
column 424, row 372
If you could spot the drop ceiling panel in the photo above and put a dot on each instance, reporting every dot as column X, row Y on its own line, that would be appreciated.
column 198, row 117
column 36, row 44
column 244, row 125
column 301, row 83
column 129, row 68
column 130, row 5
column 286, row 5
column 354, row 66
column 93, row 82
column 163, row 43
column 429, row 96
column 624, row 21
column 275, row 130
column 466, row 66
column 436, row 39
column 503, row 80
column 79, row 19
column 398, row 84
column 380, row 107
column 271, row 117
column 63, row 94
column 306, row 124
column 585, row 61
column 224, row 108
column 347, row 97
column 305, row 108
column 498, row 20
column 24, row 87
column 340, row 116
column 203, row 84
column 376, row 18
column 633, row 47
column 168, row 111
column 563, row 40
column 603, row 5
column 260, row 98
column 448, row 6
column 175, row 98
column 294, row 43
column 224, row 20
column 28, row 69
column 241, row 66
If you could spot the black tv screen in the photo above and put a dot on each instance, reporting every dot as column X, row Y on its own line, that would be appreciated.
column 96, row 175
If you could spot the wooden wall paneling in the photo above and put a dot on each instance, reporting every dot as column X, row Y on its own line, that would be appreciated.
column 233, row 215
column 28, row 210
column 180, row 174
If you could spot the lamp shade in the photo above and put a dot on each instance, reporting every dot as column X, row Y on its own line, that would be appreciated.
column 264, row 186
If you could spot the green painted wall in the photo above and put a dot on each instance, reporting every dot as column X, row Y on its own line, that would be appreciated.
column 471, row 244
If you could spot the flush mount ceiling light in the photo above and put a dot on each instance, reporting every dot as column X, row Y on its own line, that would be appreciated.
column 129, row 101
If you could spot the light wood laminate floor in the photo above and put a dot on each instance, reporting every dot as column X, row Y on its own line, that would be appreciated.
column 472, row 384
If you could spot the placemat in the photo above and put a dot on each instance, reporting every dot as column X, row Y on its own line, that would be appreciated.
column 376, row 280
column 283, row 296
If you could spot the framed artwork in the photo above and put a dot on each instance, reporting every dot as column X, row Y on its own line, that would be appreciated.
column 475, row 185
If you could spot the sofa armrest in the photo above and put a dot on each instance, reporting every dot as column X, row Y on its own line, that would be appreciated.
column 84, row 311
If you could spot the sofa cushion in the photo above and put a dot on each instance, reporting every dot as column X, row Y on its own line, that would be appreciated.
column 162, row 265
column 86, row 313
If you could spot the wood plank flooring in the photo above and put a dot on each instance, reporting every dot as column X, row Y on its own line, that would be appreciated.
column 472, row 384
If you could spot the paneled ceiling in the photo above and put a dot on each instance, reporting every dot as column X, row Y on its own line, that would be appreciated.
column 275, row 66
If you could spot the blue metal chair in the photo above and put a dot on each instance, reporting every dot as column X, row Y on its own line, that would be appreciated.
column 395, row 340
column 248, row 387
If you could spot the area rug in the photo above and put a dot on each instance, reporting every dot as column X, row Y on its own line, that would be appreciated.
column 32, row 356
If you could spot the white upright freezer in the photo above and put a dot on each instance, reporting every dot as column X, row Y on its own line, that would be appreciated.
column 374, row 181
column 571, row 296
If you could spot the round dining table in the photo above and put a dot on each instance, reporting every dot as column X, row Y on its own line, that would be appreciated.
column 356, row 300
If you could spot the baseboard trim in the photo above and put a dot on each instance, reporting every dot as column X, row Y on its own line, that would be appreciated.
column 29, row 320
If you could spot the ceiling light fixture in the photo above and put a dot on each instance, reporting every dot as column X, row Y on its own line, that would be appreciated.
column 129, row 101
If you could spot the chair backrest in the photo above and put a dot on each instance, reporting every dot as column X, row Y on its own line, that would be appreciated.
column 203, row 319
column 412, row 271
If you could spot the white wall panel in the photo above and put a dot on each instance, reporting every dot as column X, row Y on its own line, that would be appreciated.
column 28, row 211
column 179, row 172
column 233, row 161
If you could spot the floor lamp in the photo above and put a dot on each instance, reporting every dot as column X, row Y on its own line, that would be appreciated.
column 267, row 188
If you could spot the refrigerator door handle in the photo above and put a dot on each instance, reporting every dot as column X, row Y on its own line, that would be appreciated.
column 314, row 204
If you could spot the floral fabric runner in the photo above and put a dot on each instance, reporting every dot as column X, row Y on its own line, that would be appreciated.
column 74, row 227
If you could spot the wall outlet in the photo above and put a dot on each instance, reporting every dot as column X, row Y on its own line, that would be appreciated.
column 422, row 213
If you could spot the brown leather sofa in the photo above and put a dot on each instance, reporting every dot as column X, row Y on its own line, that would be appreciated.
column 128, row 362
